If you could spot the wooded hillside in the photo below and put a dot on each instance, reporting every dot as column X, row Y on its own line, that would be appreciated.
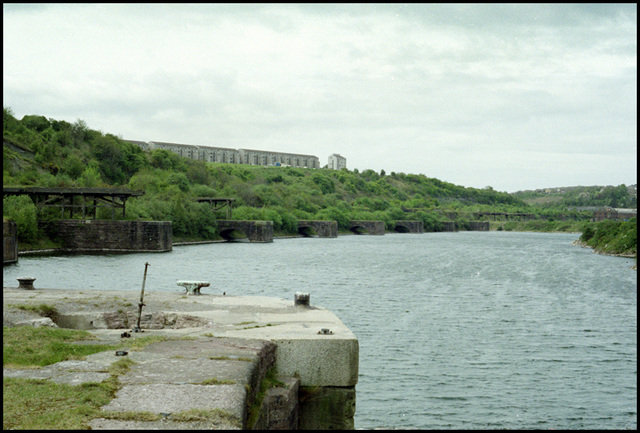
column 48, row 153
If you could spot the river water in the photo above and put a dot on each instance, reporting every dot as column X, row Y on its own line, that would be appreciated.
column 466, row 330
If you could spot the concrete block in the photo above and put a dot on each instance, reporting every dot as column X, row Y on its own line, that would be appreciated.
column 169, row 398
column 327, row 408
column 319, row 362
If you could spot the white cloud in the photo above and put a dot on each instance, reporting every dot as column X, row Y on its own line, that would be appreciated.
column 447, row 91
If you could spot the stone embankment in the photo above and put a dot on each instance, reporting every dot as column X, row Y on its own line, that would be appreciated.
column 210, row 352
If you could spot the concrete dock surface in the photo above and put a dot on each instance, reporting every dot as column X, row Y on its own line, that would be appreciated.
column 218, row 350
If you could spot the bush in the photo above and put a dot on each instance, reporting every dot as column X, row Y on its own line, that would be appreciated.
column 22, row 210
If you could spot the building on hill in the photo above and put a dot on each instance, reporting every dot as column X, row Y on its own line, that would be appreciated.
column 337, row 162
column 616, row 214
column 260, row 157
column 232, row 156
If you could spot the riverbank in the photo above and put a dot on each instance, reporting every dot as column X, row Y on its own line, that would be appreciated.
column 583, row 244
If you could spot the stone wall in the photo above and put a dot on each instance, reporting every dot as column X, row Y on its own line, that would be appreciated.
column 482, row 226
column 448, row 226
column 113, row 236
column 409, row 226
column 371, row 227
column 256, row 231
column 9, row 242
column 324, row 229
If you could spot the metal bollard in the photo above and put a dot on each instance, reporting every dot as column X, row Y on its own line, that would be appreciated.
column 301, row 298
column 26, row 283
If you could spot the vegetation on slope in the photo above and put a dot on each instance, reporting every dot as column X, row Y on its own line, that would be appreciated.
column 48, row 153
column 612, row 237
column 620, row 196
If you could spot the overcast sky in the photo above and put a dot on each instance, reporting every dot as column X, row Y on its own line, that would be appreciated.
column 515, row 97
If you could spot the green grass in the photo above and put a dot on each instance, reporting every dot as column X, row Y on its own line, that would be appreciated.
column 30, row 404
column 41, row 404
column 26, row 346
column 216, row 381
column 37, row 404
column 217, row 415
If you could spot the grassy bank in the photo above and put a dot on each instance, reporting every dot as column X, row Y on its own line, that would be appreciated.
column 612, row 237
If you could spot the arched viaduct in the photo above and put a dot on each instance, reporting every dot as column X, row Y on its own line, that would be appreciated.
column 323, row 229
column 402, row 226
column 378, row 227
column 256, row 231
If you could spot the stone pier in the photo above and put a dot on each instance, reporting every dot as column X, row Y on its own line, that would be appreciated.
column 370, row 227
column 217, row 357
column 255, row 231
column 323, row 229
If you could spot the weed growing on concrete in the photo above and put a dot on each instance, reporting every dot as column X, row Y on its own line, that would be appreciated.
column 216, row 381
column 258, row 326
column 270, row 381
column 213, row 415
column 130, row 416
column 229, row 358
column 30, row 404
column 43, row 309
column 120, row 367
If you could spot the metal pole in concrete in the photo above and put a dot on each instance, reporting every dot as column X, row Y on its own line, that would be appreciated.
column 141, row 304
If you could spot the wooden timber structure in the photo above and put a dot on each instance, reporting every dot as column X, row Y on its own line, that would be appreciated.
column 84, row 200
column 218, row 203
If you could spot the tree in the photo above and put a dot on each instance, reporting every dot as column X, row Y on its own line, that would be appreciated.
column 22, row 210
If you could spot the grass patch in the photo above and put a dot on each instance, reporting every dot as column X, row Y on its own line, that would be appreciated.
column 120, row 367
column 258, row 326
column 130, row 416
column 43, row 309
column 40, row 346
column 213, row 415
column 216, row 381
column 228, row 358
column 30, row 404
column 140, row 343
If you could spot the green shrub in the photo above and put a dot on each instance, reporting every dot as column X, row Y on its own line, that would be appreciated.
column 22, row 210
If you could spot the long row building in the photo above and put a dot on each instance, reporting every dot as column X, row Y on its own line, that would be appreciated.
column 238, row 156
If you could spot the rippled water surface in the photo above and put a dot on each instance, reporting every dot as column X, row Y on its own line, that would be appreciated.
column 461, row 330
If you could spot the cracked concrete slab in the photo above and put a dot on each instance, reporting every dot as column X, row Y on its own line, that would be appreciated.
column 170, row 398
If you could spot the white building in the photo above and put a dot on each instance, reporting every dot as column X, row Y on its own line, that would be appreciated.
column 337, row 162
column 234, row 156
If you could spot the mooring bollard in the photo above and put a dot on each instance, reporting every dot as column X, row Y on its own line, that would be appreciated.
column 301, row 298
column 26, row 283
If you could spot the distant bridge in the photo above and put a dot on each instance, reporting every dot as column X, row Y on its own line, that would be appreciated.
column 322, row 229
column 255, row 231
column 378, row 227
column 369, row 227
column 402, row 226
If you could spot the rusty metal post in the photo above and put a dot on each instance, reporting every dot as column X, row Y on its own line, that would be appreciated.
column 141, row 304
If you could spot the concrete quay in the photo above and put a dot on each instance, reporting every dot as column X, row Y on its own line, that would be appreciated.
column 212, row 354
